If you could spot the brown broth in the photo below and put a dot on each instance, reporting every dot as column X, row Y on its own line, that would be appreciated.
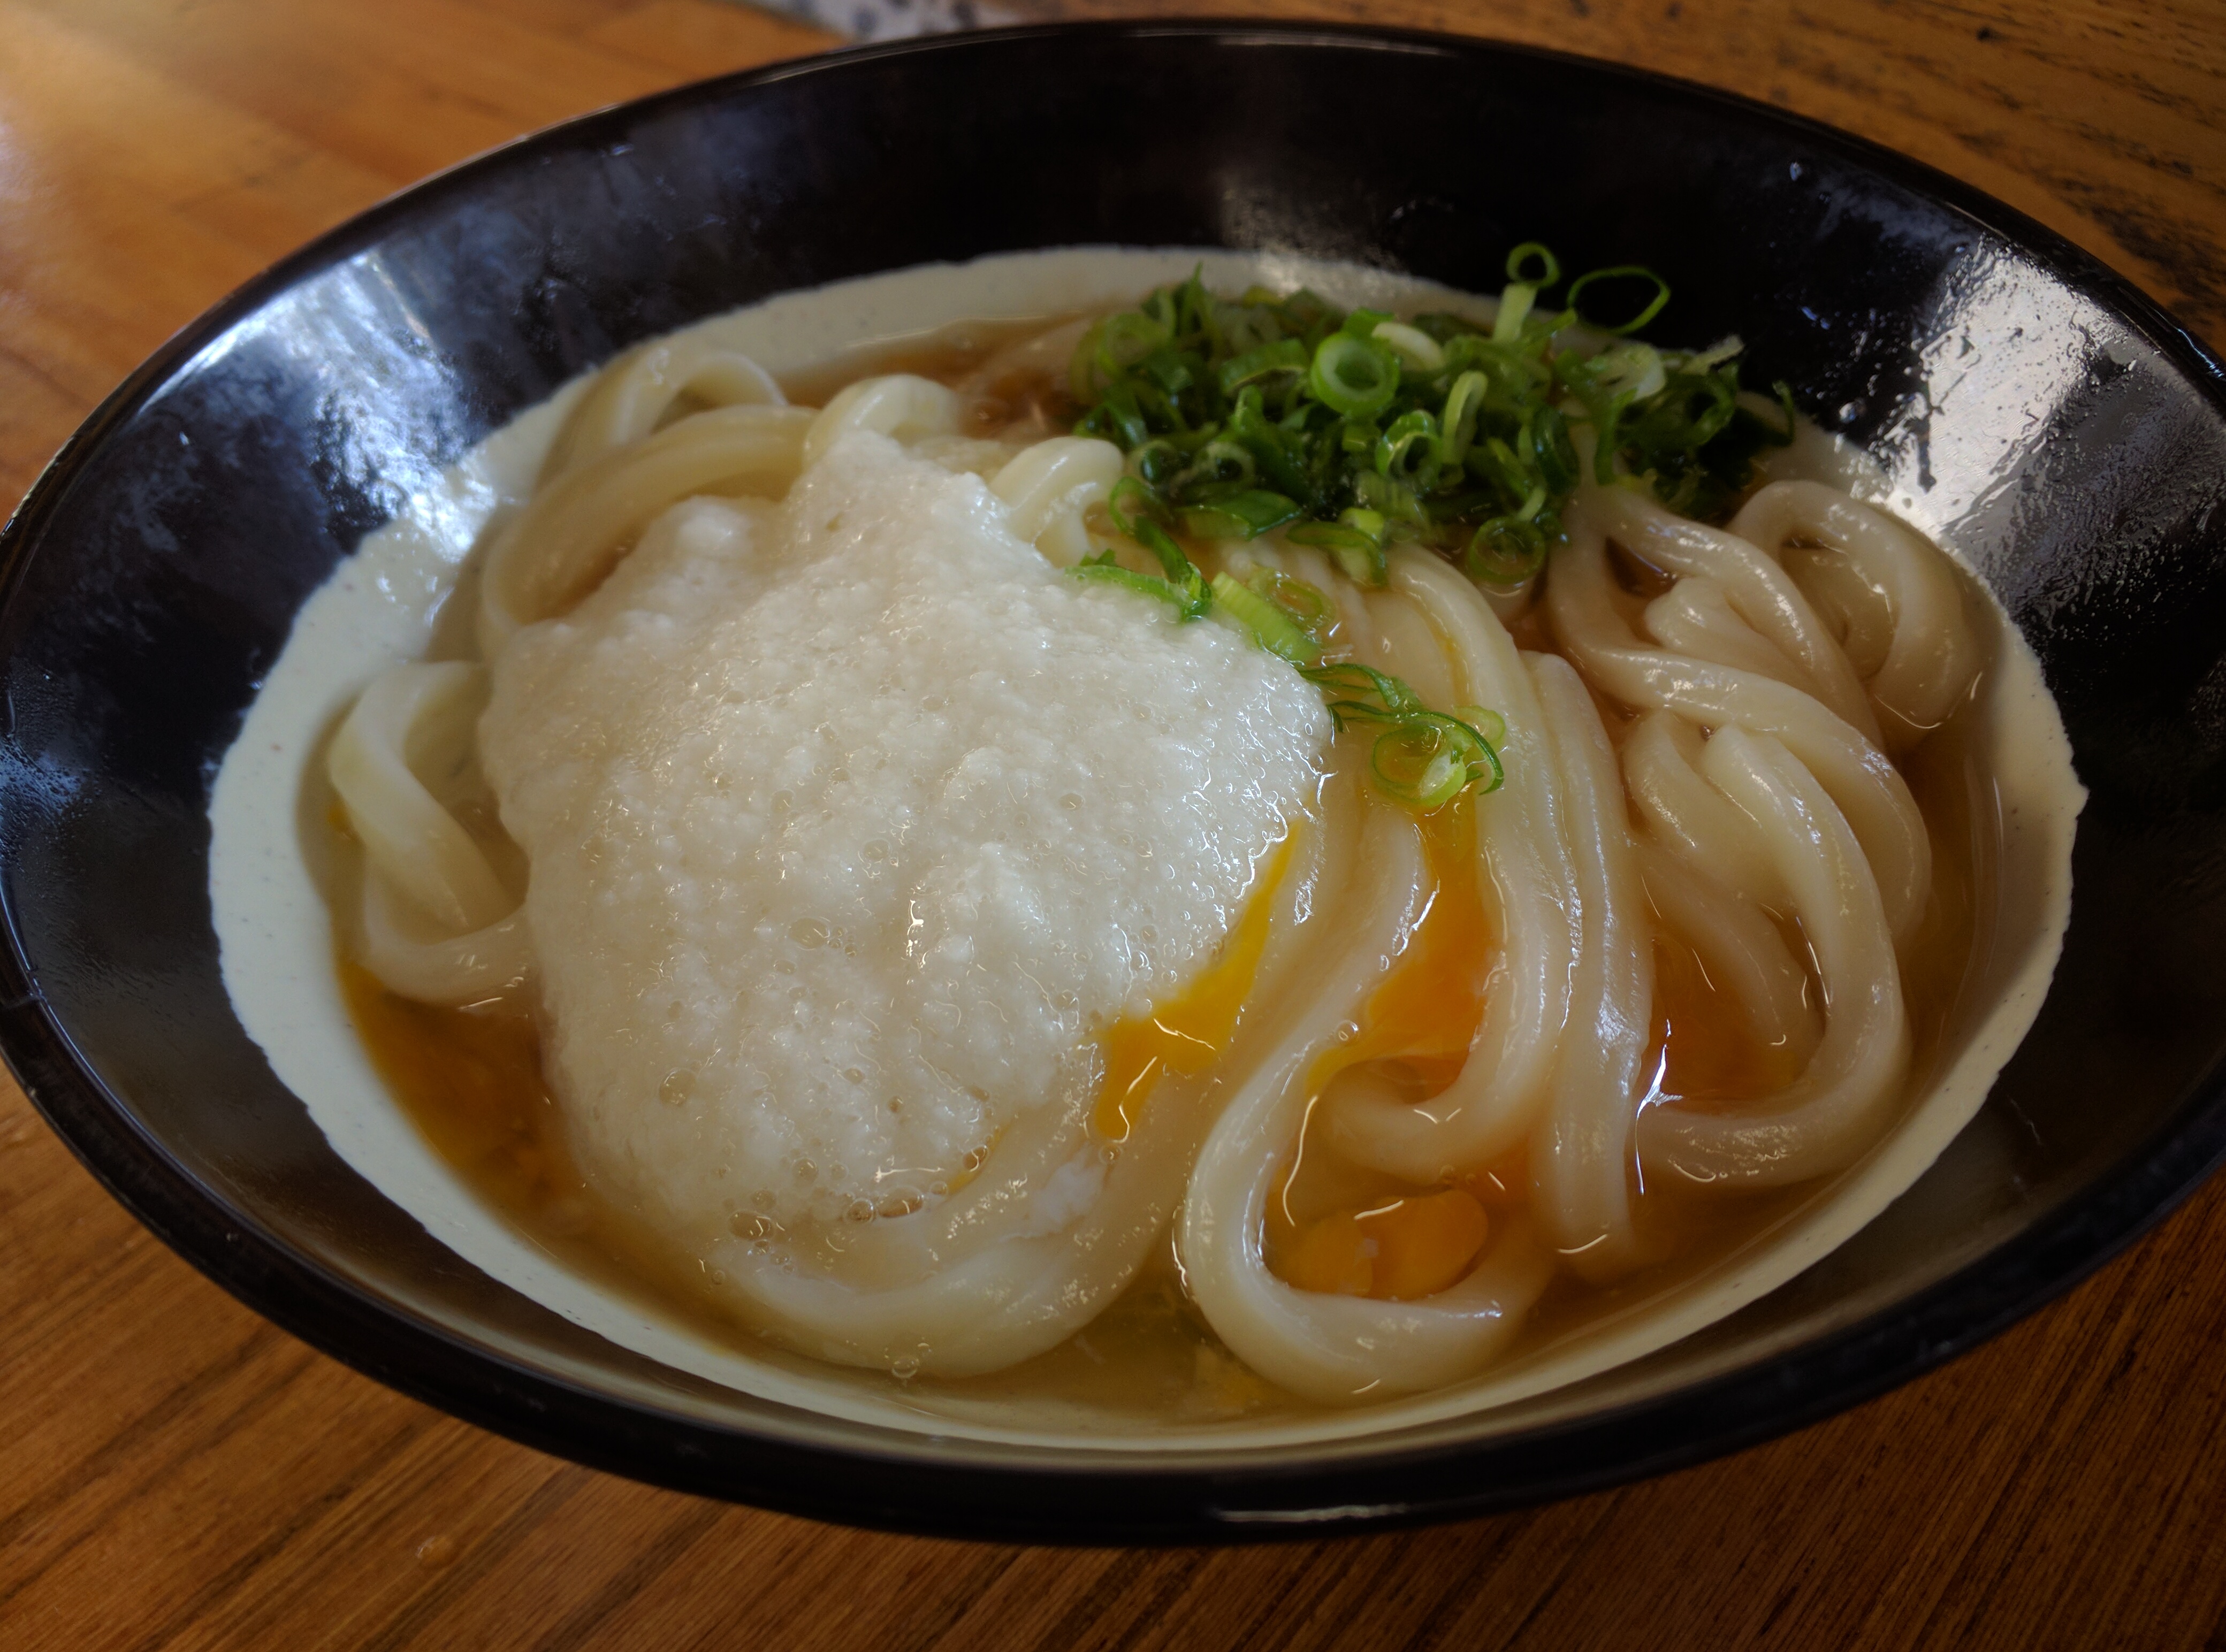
column 471, row 1079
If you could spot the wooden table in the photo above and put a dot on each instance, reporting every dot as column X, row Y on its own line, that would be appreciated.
column 179, row 1473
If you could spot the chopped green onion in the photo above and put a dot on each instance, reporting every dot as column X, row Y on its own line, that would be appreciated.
column 1486, row 723
column 1220, row 463
column 1514, row 309
column 1350, row 679
column 1354, row 377
column 1307, row 606
column 1550, row 275
column 1270, row 413
column 1551, row 453
column 1117, row 418
column 1417, row 350
column 1394, row 500
column 1784, row 395
column 1145, row 500
column 1128, row 340
column 1507, row 551
column 1358, row 556
column 1284, row 355
column 1415, row 763
column 1111, row 572
column 1245, row 515
column 1458, row 421
column 1270, row 627
column 1410, row 451
column 1715, row 355
column 1424, row 758
column 1280, row 455
column 1182, row 574
column 1632, row 370
column 1631, row 272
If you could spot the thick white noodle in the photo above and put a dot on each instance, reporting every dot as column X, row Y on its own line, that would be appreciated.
column 1869, row 790
column 1932, row 658
column 568, row 538
column 1331, row 1348
column 438, row 969
column 1695, row 616
column 1049, row 487
column 636, row 392
column 1581, row 1156
column 1847, row 1093
column 1747, row 583
column 1789, row 809
column 1856, row 609
column 1689, row 816
column 1711, row 882
column 1738, row 944
column 1530, row 882
column 1754, row 790
column 436, row 923
column 1356, row 625
column 903, row 407
column 408, row 838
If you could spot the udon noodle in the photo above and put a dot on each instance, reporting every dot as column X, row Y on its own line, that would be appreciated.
column 1407, row 1069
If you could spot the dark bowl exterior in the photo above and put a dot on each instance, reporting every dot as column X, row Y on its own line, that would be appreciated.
column 149, row 581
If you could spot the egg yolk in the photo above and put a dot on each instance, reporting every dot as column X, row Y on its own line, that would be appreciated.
column 1189, row 1033
column 1393, row 1252
column 1417, row 1026
column 1422, row 1020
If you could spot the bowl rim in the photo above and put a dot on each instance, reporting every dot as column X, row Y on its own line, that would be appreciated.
column 1210, row 1495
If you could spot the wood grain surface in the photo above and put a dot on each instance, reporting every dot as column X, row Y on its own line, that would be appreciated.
column 178, row 1473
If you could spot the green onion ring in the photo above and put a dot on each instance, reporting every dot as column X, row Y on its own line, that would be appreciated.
column 1523, row 254
column 1634, row 271
column 1355, row 377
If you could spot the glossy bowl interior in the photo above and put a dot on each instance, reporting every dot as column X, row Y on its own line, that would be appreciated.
column 2029, row 408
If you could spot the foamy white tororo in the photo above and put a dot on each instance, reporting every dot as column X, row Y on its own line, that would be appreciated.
column 851, row 820
column 379, row 608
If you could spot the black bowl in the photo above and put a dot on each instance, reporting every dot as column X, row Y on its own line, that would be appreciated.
column 150, row 578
